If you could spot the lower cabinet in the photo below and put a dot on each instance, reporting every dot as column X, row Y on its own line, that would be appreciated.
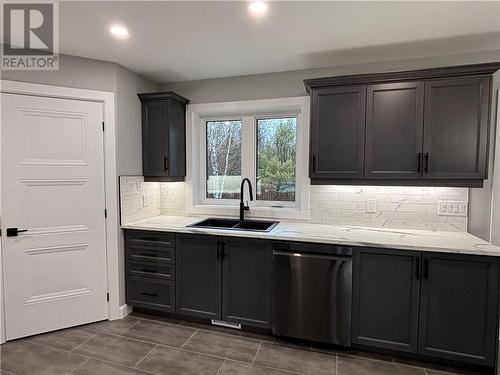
column 434, row 304
column 458, row 307
column 149, row 267
column 386, row 292
column 246, row 282
column 151, row 293
column 224, row 278
column 198, row 269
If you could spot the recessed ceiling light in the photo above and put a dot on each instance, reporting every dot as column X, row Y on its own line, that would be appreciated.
column 119, row 31
column 258, row 8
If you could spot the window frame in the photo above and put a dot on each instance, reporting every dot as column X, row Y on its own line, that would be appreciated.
column 249, row 112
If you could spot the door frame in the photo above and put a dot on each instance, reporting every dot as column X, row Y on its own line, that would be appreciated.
column 107, row 99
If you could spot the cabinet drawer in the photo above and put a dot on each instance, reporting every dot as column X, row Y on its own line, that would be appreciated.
column 150, row 252
column 151, row 238
column 149, row 269
column 151, row 293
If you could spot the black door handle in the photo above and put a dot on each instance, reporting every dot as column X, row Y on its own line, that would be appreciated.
column 314, row 163
column 13, row 232
column 419, row 162
column 417, row 269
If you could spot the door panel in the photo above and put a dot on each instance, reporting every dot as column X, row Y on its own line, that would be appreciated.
column 337, row 132
column 459, row 308
column 394, row 127
column 246, row 282
column 154, row 138
column 53, row 185
column 386, row 289
column 456, row 128
column 198, row 276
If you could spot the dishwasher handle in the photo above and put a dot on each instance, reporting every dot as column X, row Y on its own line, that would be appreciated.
column 312, row 255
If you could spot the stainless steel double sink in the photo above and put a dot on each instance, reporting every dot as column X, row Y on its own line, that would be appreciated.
column 235, row 224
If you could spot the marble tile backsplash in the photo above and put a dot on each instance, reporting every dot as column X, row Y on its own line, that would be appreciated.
column 396, row 207
column 139, row 200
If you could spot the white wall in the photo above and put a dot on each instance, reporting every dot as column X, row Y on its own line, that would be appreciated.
column 85, row 73
column 128, row 115
column 481, row 204
column 288, row 84
column 73, row 71
column 495, row 222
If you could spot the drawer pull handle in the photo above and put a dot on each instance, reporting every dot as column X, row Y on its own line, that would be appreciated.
column 148, row 270
column 149, row 255
column 148, row 294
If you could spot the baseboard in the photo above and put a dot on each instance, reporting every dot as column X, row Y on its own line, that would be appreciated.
column 125, row 310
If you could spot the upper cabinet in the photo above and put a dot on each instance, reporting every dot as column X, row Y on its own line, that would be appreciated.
column 427, row 127
column 338, row 132
column 394, row 127
column 456, row 128
column 163, row 136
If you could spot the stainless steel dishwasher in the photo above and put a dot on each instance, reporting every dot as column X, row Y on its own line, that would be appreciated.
column 312, row 292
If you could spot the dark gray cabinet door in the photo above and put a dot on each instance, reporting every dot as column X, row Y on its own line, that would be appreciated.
column 456, row 128
column 337, row 132
column 198, row 276
column 163, row 136
column 394, row 129
column 459, row 308
column 386, row 290
column 154, row 139
column 246, row 282
column 176, row 153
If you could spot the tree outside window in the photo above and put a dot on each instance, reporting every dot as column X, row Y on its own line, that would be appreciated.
column 276, row 159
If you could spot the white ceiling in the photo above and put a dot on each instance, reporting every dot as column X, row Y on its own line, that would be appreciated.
column 174, row 41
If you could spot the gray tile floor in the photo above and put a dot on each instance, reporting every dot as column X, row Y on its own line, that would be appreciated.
column 142, row 345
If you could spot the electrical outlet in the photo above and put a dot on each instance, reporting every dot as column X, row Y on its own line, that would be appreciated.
column 452, row 208
column 371, row 206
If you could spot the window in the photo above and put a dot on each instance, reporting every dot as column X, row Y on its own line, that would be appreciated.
column 264, row 140
column 223, row 162
column 276, row 163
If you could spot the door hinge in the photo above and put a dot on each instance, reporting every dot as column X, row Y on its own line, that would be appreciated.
column 103, row 126
column 105, row 213
column 107, row 297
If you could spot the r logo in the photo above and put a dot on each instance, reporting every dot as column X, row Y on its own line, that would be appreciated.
column 28, row 29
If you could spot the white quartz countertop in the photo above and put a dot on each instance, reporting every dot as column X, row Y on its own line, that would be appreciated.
column 404, row 239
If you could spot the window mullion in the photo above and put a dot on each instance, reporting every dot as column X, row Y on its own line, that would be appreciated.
column 248, row 152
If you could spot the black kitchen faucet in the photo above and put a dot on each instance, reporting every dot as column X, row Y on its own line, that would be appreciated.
column 244, row 208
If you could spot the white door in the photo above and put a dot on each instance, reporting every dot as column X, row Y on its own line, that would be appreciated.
column 53, row 187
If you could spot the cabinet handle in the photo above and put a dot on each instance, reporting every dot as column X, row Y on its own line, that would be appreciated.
column 149, row 255
column 223, row 250
column 426, row 157
column 419, row 162
column 314, row 163
column 148, row 270
column 148, row 294
column 165, row 163
column 426, row 269
column 417, row 269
